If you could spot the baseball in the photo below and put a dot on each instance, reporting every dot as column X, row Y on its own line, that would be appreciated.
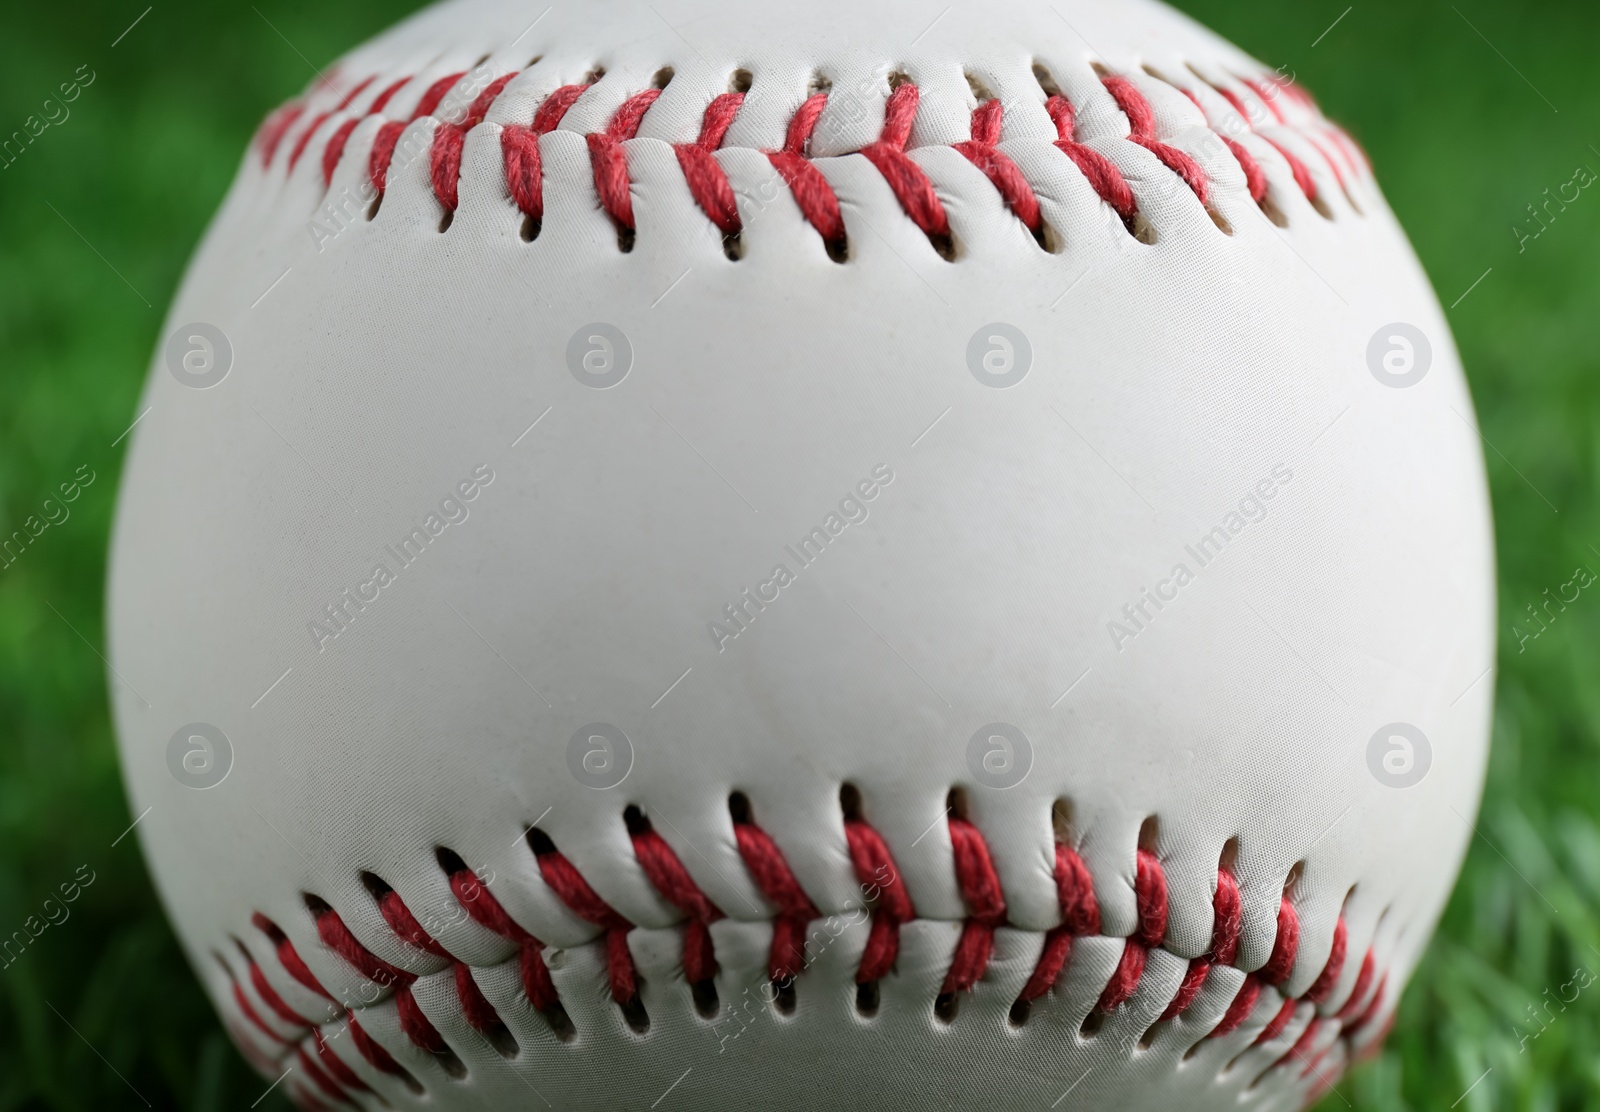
column 811, row 556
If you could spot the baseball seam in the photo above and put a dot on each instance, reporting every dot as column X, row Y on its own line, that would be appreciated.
column 889, row 906
column 796, row 165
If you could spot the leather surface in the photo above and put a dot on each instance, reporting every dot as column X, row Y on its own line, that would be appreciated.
column 382, row 366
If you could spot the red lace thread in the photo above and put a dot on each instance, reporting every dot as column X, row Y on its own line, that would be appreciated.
column 986, row 905
column 519, row 148
column 908, row 180
column 812, row 193
column 1100, row 172
column 610, row 159
column 1007, row 179
column 666, row 872
column 1080, row 915
column 567, row 883
column 891, row 903
column 772, row 875
column 708, row 182
column 1142, row 130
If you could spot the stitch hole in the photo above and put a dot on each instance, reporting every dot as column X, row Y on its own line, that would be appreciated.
column 372, row 209
column 819, row 83
column 945, row 1007
column 633, row 1013
column 1149, row 834
column 1151, row 1032
column 637, row 822
column 449, row 861
column 838, row 249
column 1061, row 823
column 530, row 227
column 1100, row 70
column 1219, row 220
column 1018, row 1016
column 1293, row 879
column 446, row 220
column 980, row 91
column 593, row 76
column 1229, row 857
column 535, row 60
column 375, row 885
column 733, row 246
column 1092, row 1023
column 479, row 62
column 625, row 238
column 956, row 803
column 663, row 77
column 741, row 81
column 739, row 807
column 867, row 998
column 1048, row 238
column 783, row 996
column 1046, row 80
column 898, row 78
column 705, row 998
column 1142, row 230
column 850, row 801
column 1272, row 211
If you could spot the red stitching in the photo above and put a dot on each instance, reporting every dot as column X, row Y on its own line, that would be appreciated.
column 568, row 883
column 269, row 995
column 1080, row 915
column 274, row 129
column 1007, row 178
column 334, row 151
column 1284, row 945
column 416, row 1026
column 305, row 137
column 1227, row 925
column 713, row 193
column 1322, row 987
column 663, row 869
column 812, row 192
column 986, row 904
column 342, row 1073
column 886, row 892
column 482, row 907
column 1142, row 125
column 908, row 180
column 610, row 159
column 404, row 924
column 770, row 871
column 708, row 182
column 376, row 1055
column 309, row 1068
column 1103, row 176
column 337, row 937
column 519, row 148
column 480, row 1014
column 251, row 1014
column 288, row 957
column 1363, row 981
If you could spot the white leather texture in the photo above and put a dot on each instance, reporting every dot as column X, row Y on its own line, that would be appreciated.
column 375, row 369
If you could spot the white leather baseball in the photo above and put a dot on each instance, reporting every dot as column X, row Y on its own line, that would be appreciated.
column 904, row 584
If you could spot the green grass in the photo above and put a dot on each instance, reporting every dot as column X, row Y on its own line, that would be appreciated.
column 1462, row 144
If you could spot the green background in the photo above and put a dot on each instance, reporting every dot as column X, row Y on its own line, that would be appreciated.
column 1467, row 124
